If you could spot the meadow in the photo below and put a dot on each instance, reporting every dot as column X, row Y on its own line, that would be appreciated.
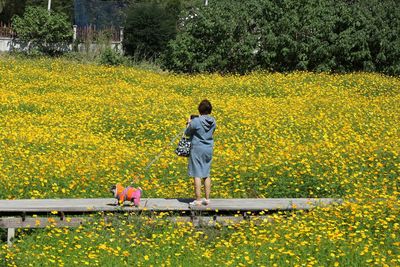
column 70, row 130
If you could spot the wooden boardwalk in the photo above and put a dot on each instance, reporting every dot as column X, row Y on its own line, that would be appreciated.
column 39, row 213
column 159, row 204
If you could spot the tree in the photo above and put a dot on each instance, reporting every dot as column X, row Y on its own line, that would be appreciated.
column 2, row 4
column 148, row 29
column 48, row 32
column 16, row 8
column 315, row 35
column 60, row 6
column 11, row 8
column 223, row 36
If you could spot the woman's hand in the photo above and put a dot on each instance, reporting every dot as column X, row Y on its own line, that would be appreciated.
column 188, row 121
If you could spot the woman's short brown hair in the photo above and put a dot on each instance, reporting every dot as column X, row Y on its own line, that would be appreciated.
column 205, row 107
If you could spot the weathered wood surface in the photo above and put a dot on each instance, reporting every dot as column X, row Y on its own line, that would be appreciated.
column 41, row 222
column 160, row 204
column 270, row 204
column 219, row 220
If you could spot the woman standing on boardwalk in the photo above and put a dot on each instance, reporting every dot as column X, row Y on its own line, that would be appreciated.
column 201, row 129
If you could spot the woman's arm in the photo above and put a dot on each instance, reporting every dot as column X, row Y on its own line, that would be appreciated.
column 189, row 129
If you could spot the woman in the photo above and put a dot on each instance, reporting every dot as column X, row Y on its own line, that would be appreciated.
column 201, row 129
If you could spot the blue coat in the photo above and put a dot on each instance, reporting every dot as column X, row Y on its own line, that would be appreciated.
column 201, row 130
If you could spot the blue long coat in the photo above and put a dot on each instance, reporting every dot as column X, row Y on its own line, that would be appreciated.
column 201, row 130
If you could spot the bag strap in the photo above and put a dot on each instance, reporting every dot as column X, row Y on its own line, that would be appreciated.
column 181, row 134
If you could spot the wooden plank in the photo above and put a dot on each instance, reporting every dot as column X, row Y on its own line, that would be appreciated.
column 41, row 222
column 11, row 223
column 218, row 220
column 90, row 205
column 159, row 204
column 10, row 235
column 270, row 204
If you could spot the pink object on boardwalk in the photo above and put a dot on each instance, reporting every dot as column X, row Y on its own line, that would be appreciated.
column 127, row 194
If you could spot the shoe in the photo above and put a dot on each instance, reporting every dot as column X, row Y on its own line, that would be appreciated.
column 195, row 203
column 205, row 201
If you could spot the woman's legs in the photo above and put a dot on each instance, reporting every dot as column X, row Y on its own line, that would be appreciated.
column 207, row 187
column 197, row 188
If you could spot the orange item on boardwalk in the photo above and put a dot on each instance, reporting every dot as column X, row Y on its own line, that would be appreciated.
column 128, row 194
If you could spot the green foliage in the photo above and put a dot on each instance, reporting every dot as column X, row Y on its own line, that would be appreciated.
column 11, row 8
column 111, row 57
column 16, row 8
column 62, row 6
column 149, row 27
column 220, row 37
column 318, row 35
column 46, row 32
column 2, row 4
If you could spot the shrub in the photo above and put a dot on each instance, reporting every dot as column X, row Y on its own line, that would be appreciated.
column 148, row 29
column 47, row 32
column 319, row 35
column 111, row 57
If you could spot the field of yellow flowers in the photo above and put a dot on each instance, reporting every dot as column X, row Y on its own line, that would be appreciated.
column 69, row 130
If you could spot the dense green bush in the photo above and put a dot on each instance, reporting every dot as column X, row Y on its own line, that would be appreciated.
column 42, row 31
column 151, row 24
column 111, row 57
column 2, row 4
column 212, row 39
column 316, row 35
column 148, row 29
column 12, row 8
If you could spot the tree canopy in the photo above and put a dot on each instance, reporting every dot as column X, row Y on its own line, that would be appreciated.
column 316, row 35
column 12, row 7
column 42, row 31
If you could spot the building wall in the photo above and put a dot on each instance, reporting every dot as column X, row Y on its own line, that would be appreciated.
column 6, row 45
